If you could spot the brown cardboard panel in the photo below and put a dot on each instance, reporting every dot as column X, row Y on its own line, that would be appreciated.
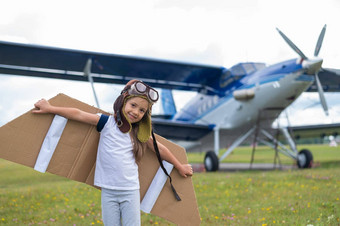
column 75, row 154
column 183, row 212
column 75, row 157
column 22, row 138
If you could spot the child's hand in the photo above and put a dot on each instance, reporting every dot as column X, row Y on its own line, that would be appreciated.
column 41, row 106
column 185, row 170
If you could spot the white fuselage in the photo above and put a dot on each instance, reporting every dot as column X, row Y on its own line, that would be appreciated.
column 229, row 113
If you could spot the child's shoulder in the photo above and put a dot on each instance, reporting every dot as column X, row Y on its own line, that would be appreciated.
column 102, row 121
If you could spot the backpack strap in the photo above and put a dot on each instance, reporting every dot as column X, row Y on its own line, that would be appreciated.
column 101, row 123
column 162, row 166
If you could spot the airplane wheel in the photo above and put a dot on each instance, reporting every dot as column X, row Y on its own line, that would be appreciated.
column 211, row 161
column 305, row 159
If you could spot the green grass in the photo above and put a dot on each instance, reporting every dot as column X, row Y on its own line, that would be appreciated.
column 296, row 197
column 29, row 197
column 263, row 154
column 276, row 197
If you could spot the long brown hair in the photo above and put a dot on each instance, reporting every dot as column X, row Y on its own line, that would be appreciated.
column 139, row 147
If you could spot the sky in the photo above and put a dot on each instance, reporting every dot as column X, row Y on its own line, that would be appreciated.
column 215, row 32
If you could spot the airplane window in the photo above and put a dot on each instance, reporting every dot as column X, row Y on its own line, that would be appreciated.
column 249, row 68
column 246, row 68
column 259, row 66
column 238, row 70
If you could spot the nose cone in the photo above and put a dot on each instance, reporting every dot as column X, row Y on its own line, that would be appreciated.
column 312, row 65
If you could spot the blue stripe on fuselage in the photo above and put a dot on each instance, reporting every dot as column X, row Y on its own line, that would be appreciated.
column 269, row 74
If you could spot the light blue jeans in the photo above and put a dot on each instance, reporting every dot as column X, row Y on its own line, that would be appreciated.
column 120, row 207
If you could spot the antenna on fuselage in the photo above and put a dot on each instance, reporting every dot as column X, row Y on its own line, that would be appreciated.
column 313, row 66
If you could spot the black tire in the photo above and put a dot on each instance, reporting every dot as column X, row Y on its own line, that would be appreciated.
column 211, row 161
column 305, row 159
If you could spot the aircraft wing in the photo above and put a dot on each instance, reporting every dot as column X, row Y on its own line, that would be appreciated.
column 321, row 130
column 330, row 80
column 51, row 62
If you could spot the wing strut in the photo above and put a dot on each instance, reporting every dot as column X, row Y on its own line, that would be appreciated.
column 87, row 73
column 216, row 139
column 289, row 139
column 281, row 148
column 237, row 142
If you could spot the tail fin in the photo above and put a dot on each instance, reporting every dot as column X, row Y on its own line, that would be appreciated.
column 168, row 103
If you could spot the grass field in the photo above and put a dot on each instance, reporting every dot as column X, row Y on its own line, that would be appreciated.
column 263, row 154
column 295, row 197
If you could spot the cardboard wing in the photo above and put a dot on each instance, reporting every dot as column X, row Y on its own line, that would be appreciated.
column 75, row 154
column 74, row 157
column 183, row 212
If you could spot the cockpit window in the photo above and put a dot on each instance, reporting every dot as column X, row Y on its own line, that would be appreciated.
column 246, row 68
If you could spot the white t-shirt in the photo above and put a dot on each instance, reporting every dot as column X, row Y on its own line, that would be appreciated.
column 116, row 167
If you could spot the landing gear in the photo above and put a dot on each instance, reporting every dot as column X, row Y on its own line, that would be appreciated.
column 305, row 159
column 211, row 161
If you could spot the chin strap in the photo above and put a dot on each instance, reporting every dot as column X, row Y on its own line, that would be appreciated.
column 119, row 119
column 162, row 166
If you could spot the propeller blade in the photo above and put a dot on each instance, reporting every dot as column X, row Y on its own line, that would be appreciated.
column 321, row 94
column 320, row 40
column 292, row 45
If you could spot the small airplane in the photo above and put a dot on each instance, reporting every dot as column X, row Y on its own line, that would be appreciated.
column 231, row 106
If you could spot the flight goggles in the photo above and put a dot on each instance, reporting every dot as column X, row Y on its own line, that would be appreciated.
column 140, row 88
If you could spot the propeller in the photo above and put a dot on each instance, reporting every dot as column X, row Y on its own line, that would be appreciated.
column 313, row 65
column 292, row 45
column 320, row 40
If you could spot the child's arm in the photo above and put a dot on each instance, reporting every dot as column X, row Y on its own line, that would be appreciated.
column 43, row 106
column 183, row 169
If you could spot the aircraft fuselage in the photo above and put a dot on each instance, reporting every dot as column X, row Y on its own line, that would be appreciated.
column 272, row 88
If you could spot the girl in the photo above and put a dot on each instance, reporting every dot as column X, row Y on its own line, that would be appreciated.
column 124, row 137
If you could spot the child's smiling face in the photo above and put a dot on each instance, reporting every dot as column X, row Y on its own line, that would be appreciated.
column 135, row 108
